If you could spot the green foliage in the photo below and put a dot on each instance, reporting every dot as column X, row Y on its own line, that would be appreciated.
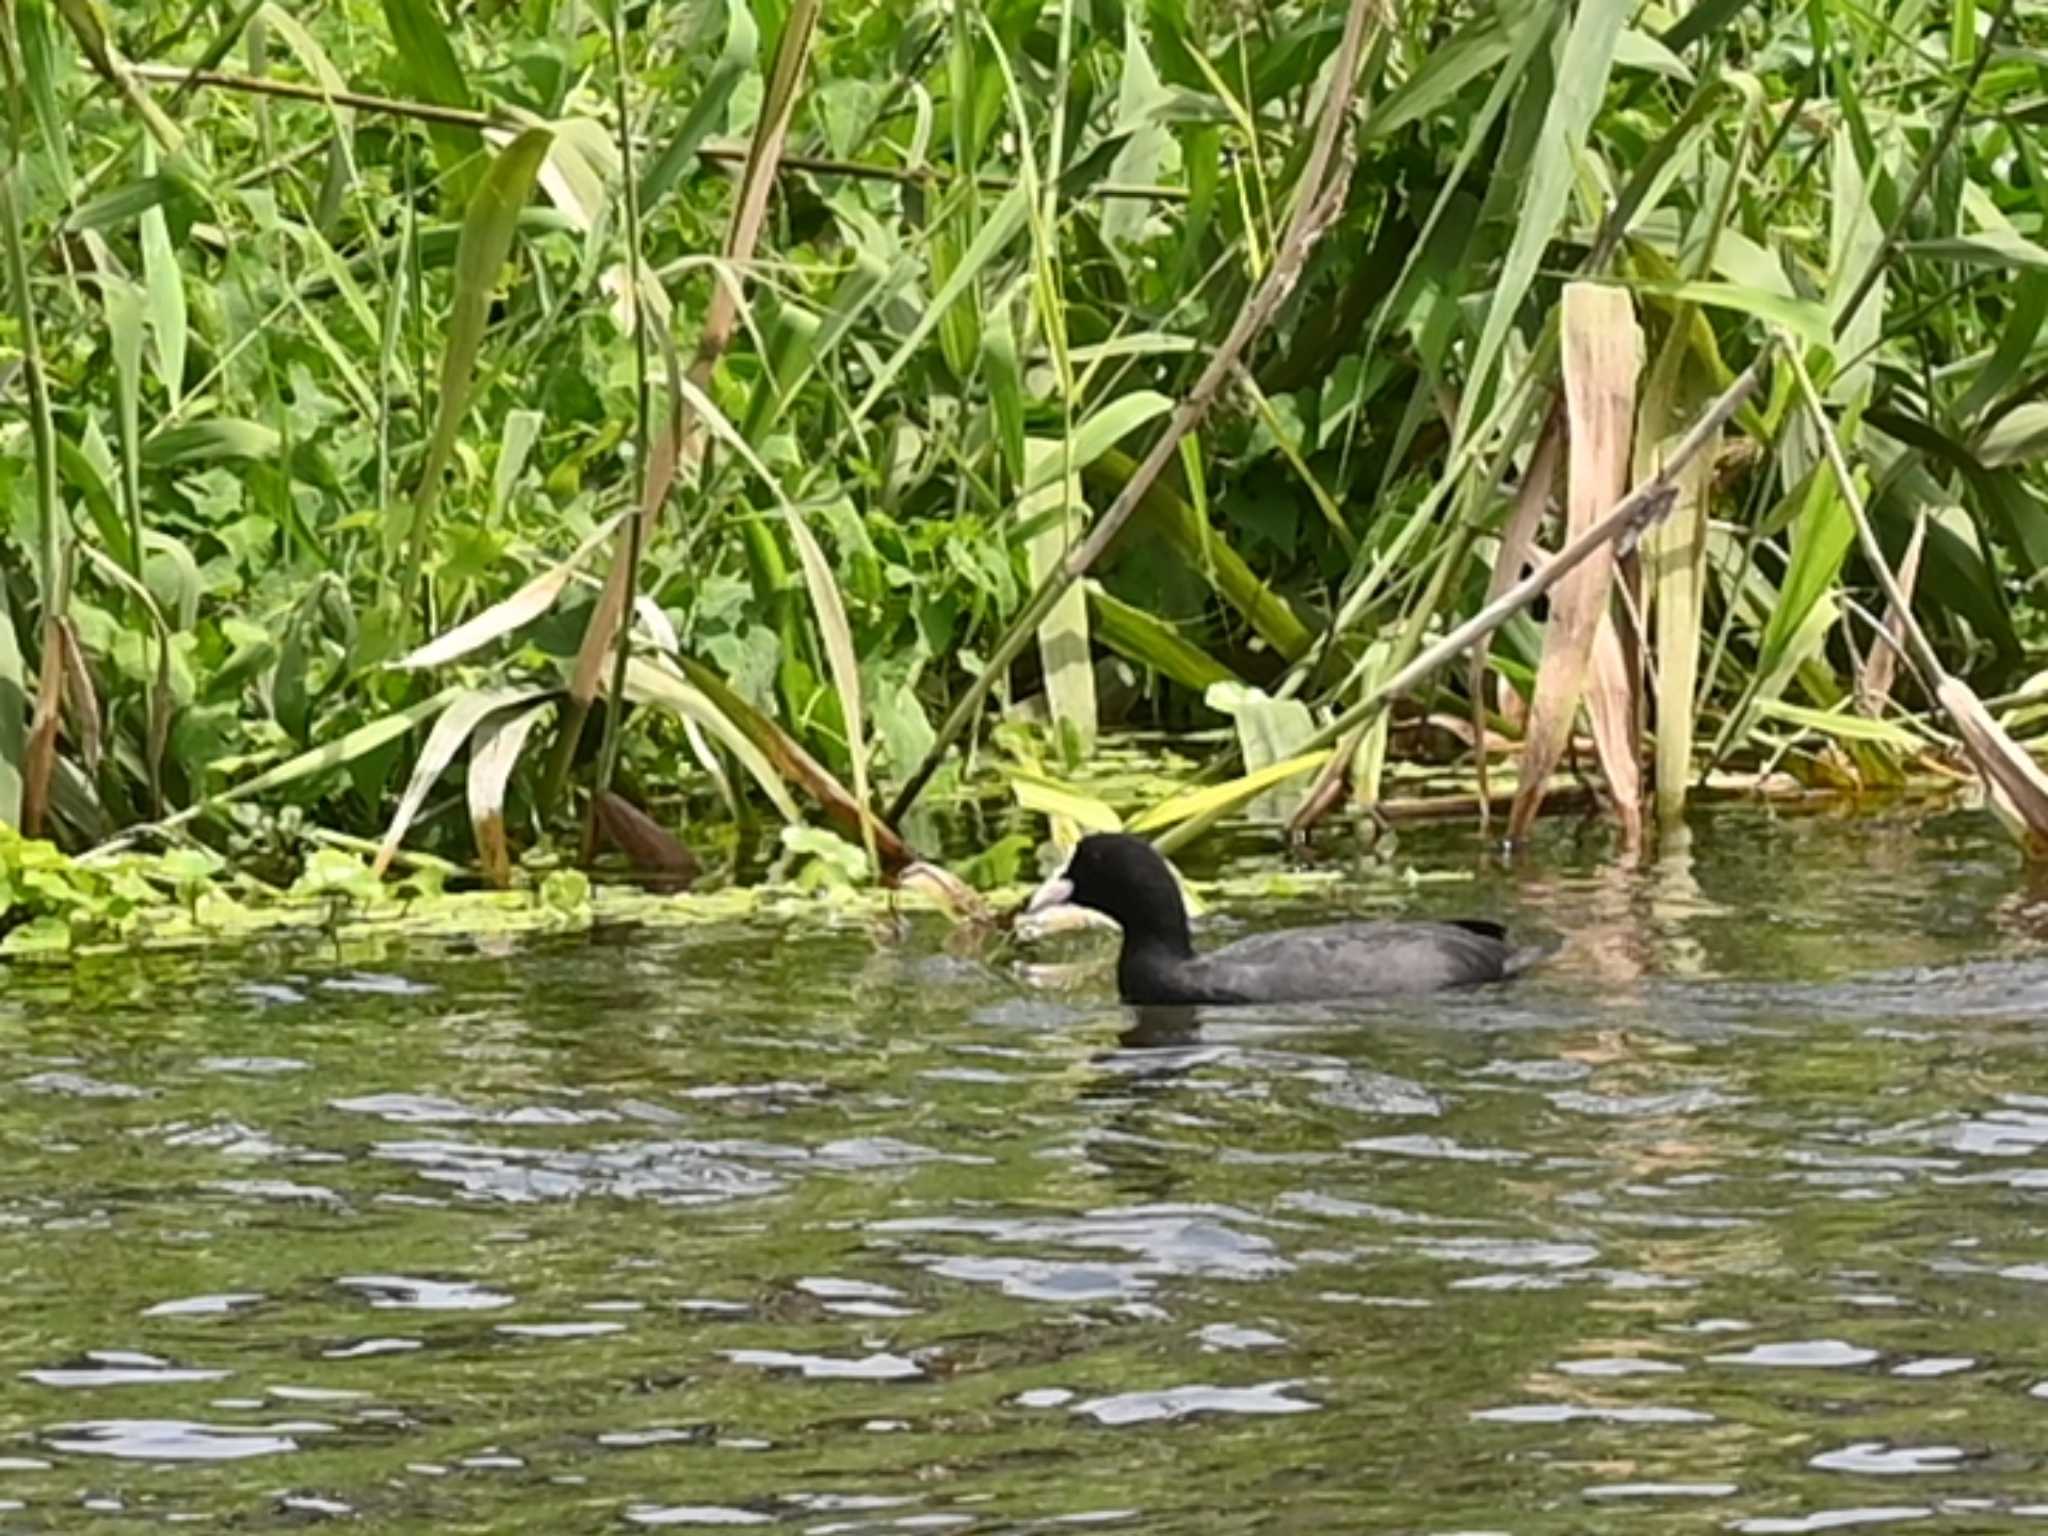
column 320, row 380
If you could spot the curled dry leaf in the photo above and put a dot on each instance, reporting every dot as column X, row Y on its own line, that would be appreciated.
column 465, row 712
column 651, row 847
column 2017, row 786
column 959, row 898
column 493, row 753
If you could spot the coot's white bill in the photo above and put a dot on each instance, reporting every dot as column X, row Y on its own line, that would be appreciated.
column 1056, row 892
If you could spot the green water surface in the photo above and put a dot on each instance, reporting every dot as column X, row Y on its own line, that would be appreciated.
column 1733, row 1218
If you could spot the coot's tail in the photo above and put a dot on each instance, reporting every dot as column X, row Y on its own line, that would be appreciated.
column 1525, row 956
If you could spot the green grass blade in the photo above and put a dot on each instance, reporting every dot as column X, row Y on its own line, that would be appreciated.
column 994, row 236
column 486, row 241
column 1580, row 83
column 14, row 708
column 219, row 438
column 1052, row 799
column 515, row 443
column 427, row 66
column 1063, row 636
column 1151, row 642
column 1194, row 809
column 707, row 111
column 344, row 749
column 39, row 63
column 510, row 613
column 1097, row 434
column 165, row 284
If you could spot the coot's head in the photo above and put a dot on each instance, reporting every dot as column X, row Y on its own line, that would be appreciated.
column 1126, row 880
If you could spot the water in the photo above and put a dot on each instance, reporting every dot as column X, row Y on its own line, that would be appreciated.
column 1733, row 1219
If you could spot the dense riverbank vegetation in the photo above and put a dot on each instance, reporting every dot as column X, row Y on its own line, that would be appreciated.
column 361, row 361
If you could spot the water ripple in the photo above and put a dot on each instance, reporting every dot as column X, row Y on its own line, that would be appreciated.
column 1184, row 1402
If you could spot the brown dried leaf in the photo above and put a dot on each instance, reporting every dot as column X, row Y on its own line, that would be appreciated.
column 81, row 701
column 1881, row 666
column 959, row 898
column 39, row 758
column 643, row 840
column 1517, row 543
column 1603, row 354
column 798, row 767
column 493, row 753
column 2017, row 786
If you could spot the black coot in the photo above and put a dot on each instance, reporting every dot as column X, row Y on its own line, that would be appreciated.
column 1126, row 880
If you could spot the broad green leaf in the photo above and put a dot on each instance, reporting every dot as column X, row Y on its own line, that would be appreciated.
column 2020, row 436
column 165, row 285
column 1206, row 804
column 1855, row 240
column 581, row 163
column 1099, row 433
column 173, row 576
column 1748, row 265
column 219, row 438
column 1639, row 50
column 515, row 442
column 486, row 241
column 1063, row 637
column 1269, row 731
column 1140, row 96
column 1050, row 798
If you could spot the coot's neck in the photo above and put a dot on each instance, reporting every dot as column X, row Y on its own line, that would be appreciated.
column 1161, row 926
column 1154, row 951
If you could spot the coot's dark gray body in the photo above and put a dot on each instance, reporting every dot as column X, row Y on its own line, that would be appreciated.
column 1126, row 879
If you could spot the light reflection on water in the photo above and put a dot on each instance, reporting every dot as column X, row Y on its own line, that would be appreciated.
column 1731, row 1219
